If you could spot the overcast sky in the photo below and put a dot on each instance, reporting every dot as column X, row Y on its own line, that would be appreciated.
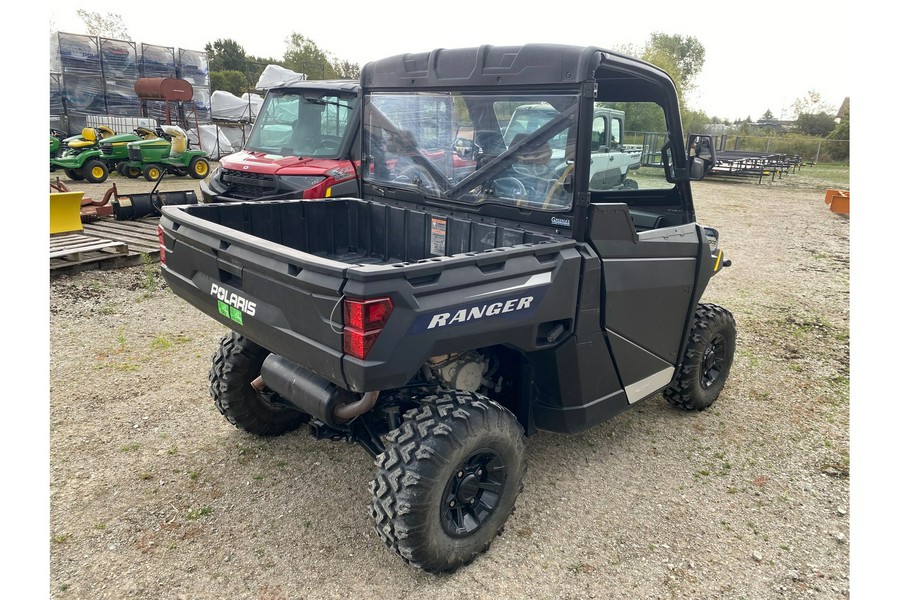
column 759, row 56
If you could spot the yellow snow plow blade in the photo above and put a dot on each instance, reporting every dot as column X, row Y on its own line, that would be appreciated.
column 65, row 211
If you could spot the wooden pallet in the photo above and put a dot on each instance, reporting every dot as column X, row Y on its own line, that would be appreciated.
column 105, row 244
column 73, row 249
column 141, row 235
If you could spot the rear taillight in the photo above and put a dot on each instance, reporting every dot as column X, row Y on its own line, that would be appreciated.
column 363, row 321
column 162, row 246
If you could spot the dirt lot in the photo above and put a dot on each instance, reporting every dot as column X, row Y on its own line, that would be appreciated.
column 154, row 495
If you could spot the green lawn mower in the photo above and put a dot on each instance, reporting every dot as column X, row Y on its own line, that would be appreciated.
column 168, row 153
column 80, row 157
column 114, row 150
column 56, row 143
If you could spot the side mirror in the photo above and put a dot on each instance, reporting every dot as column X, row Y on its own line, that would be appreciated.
column 701, row 156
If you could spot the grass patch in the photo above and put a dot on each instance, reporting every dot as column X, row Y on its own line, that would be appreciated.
column 162, row 342
column 150, row 280
column 196, row 513
column 580, row 567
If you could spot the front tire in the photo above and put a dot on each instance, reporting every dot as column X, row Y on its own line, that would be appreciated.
column 448, row 480
column 707, row 362
column 73, row 174
column 94, row 171
column 198, row 168
column 152, row 172
column 236, row 363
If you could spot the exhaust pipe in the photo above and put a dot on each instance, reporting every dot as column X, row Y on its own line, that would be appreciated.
column 312, row 393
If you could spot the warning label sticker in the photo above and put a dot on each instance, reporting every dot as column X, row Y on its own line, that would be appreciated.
column 438, row 236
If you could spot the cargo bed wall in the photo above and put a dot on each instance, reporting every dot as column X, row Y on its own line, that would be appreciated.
column 357, row 231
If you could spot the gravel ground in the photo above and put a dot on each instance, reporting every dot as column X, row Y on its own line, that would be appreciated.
column 153, row 494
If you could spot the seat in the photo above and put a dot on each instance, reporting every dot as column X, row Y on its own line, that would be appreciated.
column 88, row 138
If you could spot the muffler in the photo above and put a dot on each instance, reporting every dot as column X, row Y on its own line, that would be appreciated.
column 312, row 393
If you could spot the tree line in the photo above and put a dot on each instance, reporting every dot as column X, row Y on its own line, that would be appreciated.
column 232, row 70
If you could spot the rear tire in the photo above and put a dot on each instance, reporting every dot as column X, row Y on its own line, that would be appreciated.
column 448, row 480
column 708, row 359
column 235, row 364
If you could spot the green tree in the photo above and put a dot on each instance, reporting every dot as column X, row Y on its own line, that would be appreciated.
column 682, row 57
column 768, row 115
column 679, row 56
column 234, row 82
column 109, row 25
column 348, row 70
column 304, row 56
column 226, row 55
column 810, row 104
column 841, row 132
column 695, row 121
column 819, row 124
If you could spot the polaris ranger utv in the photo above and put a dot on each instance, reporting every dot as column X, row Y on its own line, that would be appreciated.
column 301, row 146
column 460, row 306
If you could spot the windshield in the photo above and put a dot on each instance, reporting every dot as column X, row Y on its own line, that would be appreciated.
column 473, row 148
column 302, row 123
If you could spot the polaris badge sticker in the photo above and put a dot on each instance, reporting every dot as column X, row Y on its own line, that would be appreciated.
column 232, row 305
column 508, row 307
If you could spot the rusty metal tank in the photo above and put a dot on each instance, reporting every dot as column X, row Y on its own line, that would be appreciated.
column 163, row 88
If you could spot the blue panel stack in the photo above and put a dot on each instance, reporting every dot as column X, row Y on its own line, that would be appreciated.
column 56, row 95
column 157, row 61
column 79, row 57
column 193, row 67
column 119, row 62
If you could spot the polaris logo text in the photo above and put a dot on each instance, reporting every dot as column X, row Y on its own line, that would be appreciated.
column 233, row 300
column 561, row 222
column 477, row 312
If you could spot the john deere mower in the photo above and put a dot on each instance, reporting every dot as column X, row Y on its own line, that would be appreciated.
column 80, row 157
column 114, row 150
column 56, row 143
column 168, row 153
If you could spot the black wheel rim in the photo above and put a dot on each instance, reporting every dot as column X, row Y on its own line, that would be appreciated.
column 473, row 493
column 713, row 360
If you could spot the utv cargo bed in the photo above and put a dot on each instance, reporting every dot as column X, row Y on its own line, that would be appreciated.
column 277, row 271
